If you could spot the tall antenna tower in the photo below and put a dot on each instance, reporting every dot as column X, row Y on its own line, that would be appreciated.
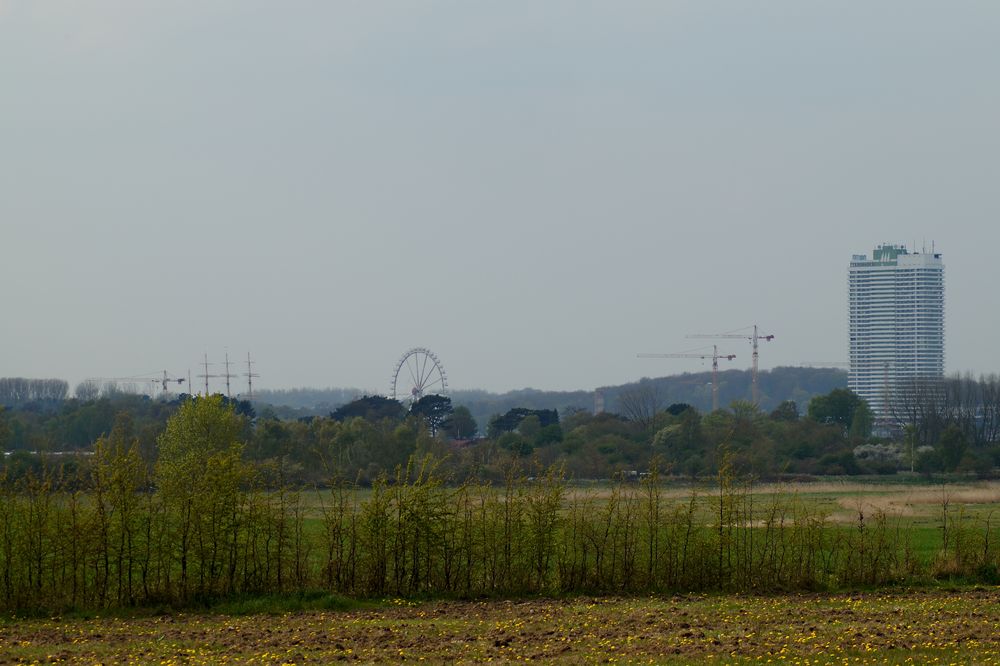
column 228, row 375
column 207, row 376
column 250, row 374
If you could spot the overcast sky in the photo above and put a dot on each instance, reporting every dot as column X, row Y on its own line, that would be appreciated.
column 535, row 190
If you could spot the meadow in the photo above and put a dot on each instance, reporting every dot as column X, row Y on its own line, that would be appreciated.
column 416, row 535
column 538, row 568
column 203, row 526
column 917, row 509
column 922, row 507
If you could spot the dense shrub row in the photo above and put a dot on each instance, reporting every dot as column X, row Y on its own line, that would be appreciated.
column 200, row 527
column 414, row 535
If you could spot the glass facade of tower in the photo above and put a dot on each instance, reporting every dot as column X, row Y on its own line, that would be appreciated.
column 896, row 303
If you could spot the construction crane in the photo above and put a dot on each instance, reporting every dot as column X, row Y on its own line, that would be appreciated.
column 715, row 356
column 754, row 339
column 163, row 381
column 166, row 380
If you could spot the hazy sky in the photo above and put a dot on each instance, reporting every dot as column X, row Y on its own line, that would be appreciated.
column 535, row 190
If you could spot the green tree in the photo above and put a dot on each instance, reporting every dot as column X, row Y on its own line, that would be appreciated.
column 119, row 474
column 550, row 434
column 861, row 421
column 530, row 427
column 840, row 406
column 746, row 418
column 435, row 410
column 198, row 475
column 461, row 424
column 271, row 439
column 682, row 437
column 928, row 461
column 4, row 429
column 515, row 443
column 744, row 410
column 953, row 446
column 786, row 411
column 678, row 408
column 510, row 421
column 371, row 408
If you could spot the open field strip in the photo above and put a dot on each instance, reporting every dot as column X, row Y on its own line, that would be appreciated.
column 921, row 498
column 924, row 626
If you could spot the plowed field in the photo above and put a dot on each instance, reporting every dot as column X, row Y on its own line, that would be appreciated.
column 897, row 627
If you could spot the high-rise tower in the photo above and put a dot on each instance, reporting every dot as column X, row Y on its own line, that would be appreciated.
column 896, row 324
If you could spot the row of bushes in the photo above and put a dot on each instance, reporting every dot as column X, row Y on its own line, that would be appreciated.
column 205, row 525
column 414, row 535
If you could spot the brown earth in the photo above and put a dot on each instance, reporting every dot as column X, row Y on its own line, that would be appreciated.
column 898, row 627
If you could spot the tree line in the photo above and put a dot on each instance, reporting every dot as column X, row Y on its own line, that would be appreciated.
column 949, row 426
column 18, row 391
column 199, row 526
column 800, row 384
column 371, row 435
column 950, row 423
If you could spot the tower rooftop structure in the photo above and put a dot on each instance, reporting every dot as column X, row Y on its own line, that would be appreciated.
column 896, row 324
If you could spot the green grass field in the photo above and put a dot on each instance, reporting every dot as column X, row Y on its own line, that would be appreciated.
column 909, row 503
column 923, row 623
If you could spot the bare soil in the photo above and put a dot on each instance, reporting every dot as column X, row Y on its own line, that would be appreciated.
column 896, row 627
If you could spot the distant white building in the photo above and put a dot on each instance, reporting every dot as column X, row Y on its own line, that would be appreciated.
column 896, row 323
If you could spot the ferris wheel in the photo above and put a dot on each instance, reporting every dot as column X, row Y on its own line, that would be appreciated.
column 417, row 373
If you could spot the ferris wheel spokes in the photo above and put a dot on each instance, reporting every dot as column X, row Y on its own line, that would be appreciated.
column 426, row 375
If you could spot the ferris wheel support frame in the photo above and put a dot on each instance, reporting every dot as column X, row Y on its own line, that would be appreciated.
column 425, row 366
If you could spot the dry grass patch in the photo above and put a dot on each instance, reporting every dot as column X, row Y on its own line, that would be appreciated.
column 917, row 502
column 984, row 493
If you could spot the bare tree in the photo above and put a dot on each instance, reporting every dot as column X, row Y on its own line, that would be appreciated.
column 640, row 403
column 918, row 403
column 929, row 405
column 990, row 416
column 15, row 391
column 87, row 391
column 961, row 400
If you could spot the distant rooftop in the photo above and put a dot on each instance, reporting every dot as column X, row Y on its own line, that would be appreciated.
column 886, row 254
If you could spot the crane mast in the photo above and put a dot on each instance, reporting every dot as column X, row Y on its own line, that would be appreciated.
column 754, row 339
column 167, row 379
column 163, row 381
column 715, row 356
